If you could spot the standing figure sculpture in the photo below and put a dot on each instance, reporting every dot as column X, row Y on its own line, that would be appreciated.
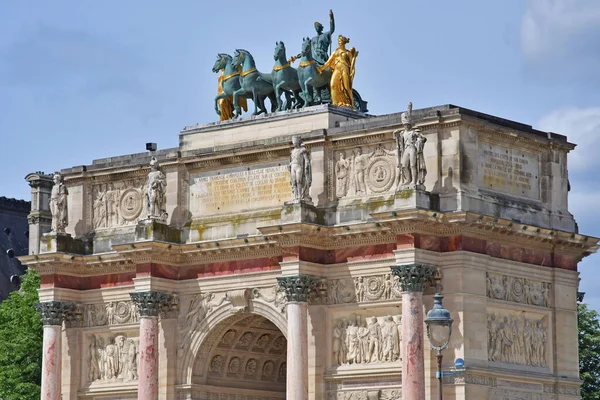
column 300, row 171
column 156, row 188
column 410, row 142
column 341, row 63
column 320, row 44
column 58, row 204
column 229, row 82
column 225, row 103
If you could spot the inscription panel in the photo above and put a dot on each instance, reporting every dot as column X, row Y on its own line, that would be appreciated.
column 506, row 170
column 239, row 189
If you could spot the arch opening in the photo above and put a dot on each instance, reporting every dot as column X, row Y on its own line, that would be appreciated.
column 242, row 355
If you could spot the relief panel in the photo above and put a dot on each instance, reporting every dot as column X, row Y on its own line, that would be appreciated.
column 112, row 358
column 518, row 290
column 365, row 171
column 518, row 338
column 117, row 204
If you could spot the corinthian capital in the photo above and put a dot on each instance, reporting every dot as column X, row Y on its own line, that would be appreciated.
column 413, row 277
column 297, row 288
column 153, row 303
column 54, row 312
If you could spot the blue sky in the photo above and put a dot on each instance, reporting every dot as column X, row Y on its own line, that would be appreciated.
column 81, row 80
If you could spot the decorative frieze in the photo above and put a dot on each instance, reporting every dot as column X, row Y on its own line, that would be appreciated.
column 508, row 394
column 518, row 290
column 358, row 340
column 111, row 313
column 514, row 338
column 366, row 394
column 54, row 312
column 112, row 358
column 414, row 277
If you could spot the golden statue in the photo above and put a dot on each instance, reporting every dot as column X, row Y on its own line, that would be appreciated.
column 341, row 63
column 226, row 103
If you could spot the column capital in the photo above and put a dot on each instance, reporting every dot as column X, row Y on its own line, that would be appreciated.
column 413, row 277
column 297, row 288
column 54, row 312
column 153, row 303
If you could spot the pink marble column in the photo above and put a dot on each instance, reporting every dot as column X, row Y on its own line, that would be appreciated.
column 148, row 368
column 53, row 314
column 297, row 289
column 412, row 279
column 150, row 304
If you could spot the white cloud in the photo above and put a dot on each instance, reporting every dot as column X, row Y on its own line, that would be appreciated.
column 561, row 37
column 582, row 127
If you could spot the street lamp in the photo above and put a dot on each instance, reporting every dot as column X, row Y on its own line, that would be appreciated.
column 439, row 330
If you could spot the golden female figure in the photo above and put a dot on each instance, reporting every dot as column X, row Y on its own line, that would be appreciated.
column 341, row 63
column 225, row 104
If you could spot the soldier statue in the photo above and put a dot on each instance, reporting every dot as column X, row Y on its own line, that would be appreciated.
column 410, row 142
column 58, row 204
column 300, row 171
column 321, row 43
column 156, row 187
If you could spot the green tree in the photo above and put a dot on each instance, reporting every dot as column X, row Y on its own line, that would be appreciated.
column 589, row 352
column 21, row 335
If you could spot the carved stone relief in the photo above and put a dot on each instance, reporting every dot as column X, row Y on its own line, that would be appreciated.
column 365, row 170
column 514, row 338
column 112, row 358
column 358, row 340
column 117, row 204
column 367, row 394
column 199, row 307
column 363, row 289
column 274, row 294
column 506, row 394
column 111, row 313
column 518, row 290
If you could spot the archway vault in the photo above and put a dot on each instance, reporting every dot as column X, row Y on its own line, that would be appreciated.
column 238, row 352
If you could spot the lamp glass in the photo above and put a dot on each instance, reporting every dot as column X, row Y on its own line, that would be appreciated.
column 439, row 334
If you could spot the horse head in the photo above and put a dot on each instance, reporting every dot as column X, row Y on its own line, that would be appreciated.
column 306, row 47
column 221, row 62
column 279, row 51
column 240, row 56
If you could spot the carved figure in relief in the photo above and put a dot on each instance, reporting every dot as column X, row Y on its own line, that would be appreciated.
column 100, row 220
column 338, row 331
column 58, row 204
column 342, row 171
column 110, row 312
column 300, row 171
column 352, row 341
column 375, row 336
column 361, row 162
column 200, row 306
column 93, row 360
column 360, row 288
column 363, row 338
column 410, row 142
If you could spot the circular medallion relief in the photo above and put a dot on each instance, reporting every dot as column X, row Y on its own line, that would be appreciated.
column 130, row 204
column 380, row 175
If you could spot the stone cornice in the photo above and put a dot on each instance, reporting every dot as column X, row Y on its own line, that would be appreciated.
column 71, row 265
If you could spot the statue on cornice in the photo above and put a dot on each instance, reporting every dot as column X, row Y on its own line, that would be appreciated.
column 58, row 204
column 156, row 191
column 410, row 142
column 300, row 171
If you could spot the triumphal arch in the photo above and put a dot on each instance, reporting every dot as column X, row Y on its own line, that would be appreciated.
column 292, row 255
column 297, row 252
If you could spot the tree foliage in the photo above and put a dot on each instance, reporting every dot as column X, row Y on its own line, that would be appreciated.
column 21, row 335
column 589, row 352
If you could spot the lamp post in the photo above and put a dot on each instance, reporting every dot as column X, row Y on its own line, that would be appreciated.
column 439, row 330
